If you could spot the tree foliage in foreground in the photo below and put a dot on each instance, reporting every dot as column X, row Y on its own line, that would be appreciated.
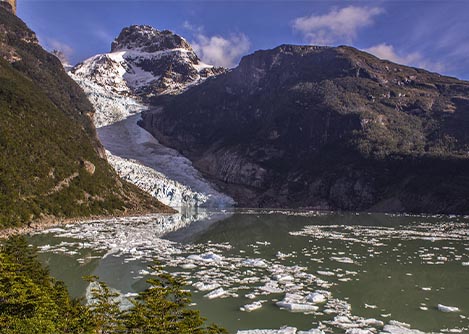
column 31, row 301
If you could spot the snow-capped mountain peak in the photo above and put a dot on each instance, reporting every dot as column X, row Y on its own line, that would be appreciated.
column 144, row 62
column 148, row 39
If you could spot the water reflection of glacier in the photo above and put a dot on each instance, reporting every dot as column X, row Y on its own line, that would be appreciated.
column 323, row 272
column 139, row 237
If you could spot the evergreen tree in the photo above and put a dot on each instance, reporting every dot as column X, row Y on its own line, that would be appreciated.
column 32, row 302
column 105, row 307
column 163, row 309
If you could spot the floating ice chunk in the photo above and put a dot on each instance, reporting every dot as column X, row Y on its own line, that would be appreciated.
column 255, row 263
column 342, row 319
column 283, row 277
column 372, row 322
column 188, row 266
column 342, row 259
column 370, row 306
column 206, row 287
column 444, row 308
column 281, row 255
column 296, row 303
column 325, row 273
column 45, row 248
column 130, row 294
column 283, row 330
column 396, row 327
column 316, row 298
column 251, row 307
column 311, row 331
column 207, row 257
column 271, row 287
column 216, row 293
column 359, row 331
column 426, row 289
column 295, row 307
column 465, row 264
column 423, row 308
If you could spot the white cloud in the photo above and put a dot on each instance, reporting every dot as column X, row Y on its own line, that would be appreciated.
column 218, row 50
column 339, row 25
column 192, row 27
column 62, row 50
column 387, row 51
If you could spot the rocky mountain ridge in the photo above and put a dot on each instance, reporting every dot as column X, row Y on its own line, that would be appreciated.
column 328, row 128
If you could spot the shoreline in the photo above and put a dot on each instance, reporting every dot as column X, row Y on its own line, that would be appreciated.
column 50, row 222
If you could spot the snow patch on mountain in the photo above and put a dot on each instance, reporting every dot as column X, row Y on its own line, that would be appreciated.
column 144, row 63
column 118, row 83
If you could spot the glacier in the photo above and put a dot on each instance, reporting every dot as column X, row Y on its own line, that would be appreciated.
column 161, row 171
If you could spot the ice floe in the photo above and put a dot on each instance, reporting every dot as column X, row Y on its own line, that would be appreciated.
column 251, row 307
column 396, row 327
column 260, row 276
column 444, row 308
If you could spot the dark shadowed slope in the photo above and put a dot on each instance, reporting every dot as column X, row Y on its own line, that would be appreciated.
column 332, row 128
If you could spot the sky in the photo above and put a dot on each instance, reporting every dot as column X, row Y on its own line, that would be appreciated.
column 430, row 34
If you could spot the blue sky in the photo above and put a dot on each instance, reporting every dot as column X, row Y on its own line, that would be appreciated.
column 429, row 34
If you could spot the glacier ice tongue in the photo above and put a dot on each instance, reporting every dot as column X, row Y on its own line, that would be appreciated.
column 140, row 159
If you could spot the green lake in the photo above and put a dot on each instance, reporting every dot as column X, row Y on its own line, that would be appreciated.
column 336, row 272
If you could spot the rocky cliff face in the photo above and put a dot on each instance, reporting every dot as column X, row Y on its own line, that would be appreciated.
column 331, row 128
column 9, row 5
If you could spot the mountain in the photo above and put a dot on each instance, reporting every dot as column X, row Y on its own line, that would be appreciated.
column 143, row 63
column 51, row 162
column 327, row 128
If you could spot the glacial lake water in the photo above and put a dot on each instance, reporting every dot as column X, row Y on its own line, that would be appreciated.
column 332, row 271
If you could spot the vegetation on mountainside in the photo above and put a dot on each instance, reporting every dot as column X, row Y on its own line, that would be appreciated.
column 51, row 161
column 48, row 165
column 32, row 302
column 20, row 47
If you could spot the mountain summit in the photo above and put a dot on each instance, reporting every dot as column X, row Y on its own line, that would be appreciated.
column 143, row 63
column 145, row 38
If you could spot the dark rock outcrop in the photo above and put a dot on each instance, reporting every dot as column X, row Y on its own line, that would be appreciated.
column 330, row 128
column 9, row 5
column 148, row 39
